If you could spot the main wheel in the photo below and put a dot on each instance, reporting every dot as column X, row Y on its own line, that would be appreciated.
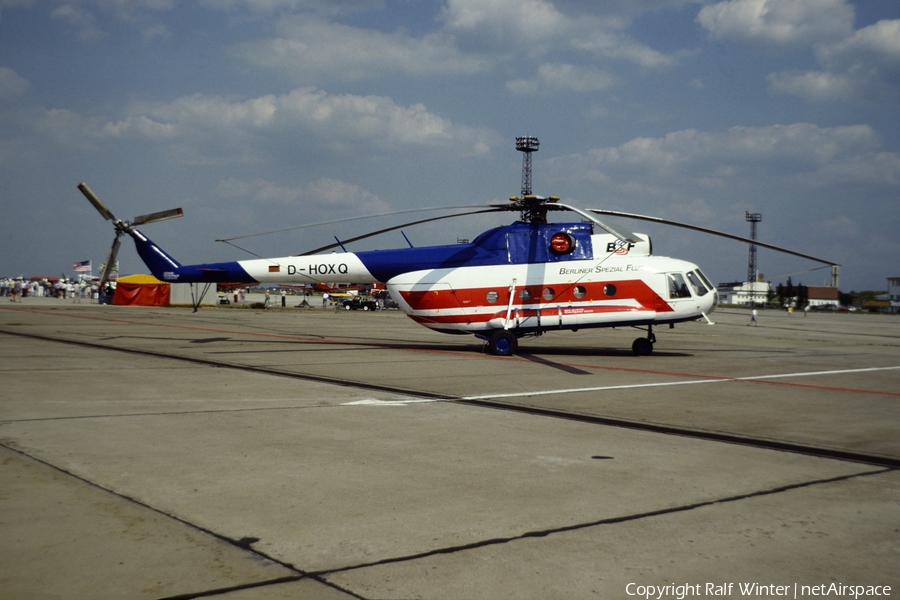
column 503, row 343
column 642, row 347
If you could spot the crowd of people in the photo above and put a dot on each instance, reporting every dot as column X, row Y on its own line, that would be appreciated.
column 17, row 288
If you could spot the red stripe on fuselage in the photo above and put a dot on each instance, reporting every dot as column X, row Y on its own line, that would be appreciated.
column 562, row 294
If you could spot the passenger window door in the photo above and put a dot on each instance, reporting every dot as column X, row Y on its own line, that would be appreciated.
column 678, row 288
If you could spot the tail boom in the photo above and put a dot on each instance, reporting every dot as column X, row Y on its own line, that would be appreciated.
column 333, row 268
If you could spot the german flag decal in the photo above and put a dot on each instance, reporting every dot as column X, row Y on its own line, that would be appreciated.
column 274, row 268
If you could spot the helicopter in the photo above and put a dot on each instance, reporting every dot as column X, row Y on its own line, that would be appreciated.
column 523, row 279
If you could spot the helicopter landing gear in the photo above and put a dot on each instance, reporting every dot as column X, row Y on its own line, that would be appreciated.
column 644, row 346
column 503, row 342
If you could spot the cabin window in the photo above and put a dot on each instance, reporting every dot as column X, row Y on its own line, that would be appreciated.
column 579, row 292
column 548, row 294
column 609, row 289
column 697, row 284
column 677, row 286
column 524, row 295
column 492, row 297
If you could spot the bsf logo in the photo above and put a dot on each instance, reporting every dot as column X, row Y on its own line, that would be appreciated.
column 620, row 247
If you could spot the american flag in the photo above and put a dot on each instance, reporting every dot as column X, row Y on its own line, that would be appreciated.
column 82, row 267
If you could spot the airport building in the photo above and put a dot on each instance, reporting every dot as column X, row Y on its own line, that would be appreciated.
column 744, row 293
column 823, row 295
column 893, row 293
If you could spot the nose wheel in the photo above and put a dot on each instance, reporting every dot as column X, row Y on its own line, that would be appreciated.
column 644, row 346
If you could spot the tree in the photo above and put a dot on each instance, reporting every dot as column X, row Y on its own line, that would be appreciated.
column 802, row 296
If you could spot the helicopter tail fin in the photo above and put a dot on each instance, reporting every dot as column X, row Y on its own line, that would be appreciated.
column 160, row 263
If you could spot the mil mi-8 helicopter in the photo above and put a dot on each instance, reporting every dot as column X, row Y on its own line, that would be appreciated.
column 517, row 280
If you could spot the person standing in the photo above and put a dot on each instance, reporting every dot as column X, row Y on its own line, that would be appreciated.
column 267, row 299
column 753, row 320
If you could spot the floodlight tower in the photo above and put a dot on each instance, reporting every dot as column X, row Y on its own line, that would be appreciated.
column 753, row 218
column 526, row 145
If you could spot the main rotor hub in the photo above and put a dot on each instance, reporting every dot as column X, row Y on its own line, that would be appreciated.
column 533, row 208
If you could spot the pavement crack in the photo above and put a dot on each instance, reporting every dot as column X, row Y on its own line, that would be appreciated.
column 608, row 521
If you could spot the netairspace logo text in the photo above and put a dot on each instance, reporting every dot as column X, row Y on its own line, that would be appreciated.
column 695, row 590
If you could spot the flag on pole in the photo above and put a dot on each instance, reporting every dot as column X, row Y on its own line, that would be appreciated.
column 82, row 267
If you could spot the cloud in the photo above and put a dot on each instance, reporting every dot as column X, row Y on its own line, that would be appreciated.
column 220, row 122
column 527, row 20
column 818, row 86
column 617, row 46
column 473, row 37
column 320, row 195
column 308, row 45
column 780, row 22
column 565, row 77
column 863, row 67
column 81, row 20
column 268, row 7
column 12, row 84
column 880, row 40
column 536, row 28
column 802, row 153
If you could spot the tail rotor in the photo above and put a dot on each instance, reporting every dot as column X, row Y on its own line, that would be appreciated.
column 121, row 226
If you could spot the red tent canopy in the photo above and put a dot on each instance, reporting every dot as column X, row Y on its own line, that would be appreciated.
column 141, row 290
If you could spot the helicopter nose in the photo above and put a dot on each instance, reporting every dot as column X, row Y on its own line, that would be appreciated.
column 713, row 302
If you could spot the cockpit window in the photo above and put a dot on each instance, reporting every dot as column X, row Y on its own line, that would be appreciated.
column 677, row 287
column 705, row 281
column 697, row 284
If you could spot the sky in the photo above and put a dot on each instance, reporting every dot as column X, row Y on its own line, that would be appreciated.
column 257, row 115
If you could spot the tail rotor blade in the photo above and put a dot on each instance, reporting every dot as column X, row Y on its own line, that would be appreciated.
column 92, row 197
column 158, row 216
column 111, row 261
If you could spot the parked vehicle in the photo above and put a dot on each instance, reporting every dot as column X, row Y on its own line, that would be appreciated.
column 359, row 303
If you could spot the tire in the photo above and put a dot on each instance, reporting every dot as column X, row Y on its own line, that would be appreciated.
column 503, row 343
column 642, row 347
column 347, row 307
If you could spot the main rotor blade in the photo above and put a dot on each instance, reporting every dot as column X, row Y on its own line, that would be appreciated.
column 101, row 208
column 158, row 216
column 622, row 235
column 711, row 232
column 332, row 222
column 110, row 262
column 411, row 223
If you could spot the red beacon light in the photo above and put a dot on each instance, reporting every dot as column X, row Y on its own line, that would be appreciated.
column 562, row 243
